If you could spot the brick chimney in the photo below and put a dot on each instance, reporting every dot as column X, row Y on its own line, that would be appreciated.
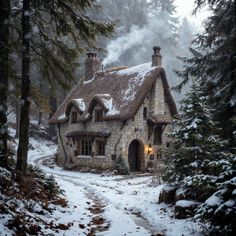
column 156, row 57
column 92, row 65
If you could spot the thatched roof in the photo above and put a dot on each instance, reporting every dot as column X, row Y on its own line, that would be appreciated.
column 120, row 93
column 159, row 119
column 77, row 103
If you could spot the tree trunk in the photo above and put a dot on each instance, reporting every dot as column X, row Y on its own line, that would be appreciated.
column 40, row 114
column 4, row 35
column 18, row 106
column 53, row 107
column 40, row 117
column 22, row 150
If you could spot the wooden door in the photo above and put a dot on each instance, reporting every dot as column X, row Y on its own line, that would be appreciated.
column 134, row 156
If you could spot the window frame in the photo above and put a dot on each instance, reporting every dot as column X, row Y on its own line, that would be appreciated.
column 84, row 147
column 73, row 117
column 100, row 147
column 98, row 115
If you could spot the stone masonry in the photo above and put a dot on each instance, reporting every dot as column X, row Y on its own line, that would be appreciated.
column 122, row 134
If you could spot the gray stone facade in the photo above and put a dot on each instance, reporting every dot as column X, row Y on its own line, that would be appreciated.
column 122, row 133
column 120, row 112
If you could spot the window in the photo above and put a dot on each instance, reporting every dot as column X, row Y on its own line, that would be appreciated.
column 84, row 147
column 100, row 147
column 145, row 113
column 73, row 117
column 98, row 115
column 158, row 135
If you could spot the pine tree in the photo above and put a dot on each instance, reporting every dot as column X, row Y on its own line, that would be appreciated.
column 22, row 150
column 53, row 33
column 186, row 36
column 164, row 11
column 128, row 13
column 4, row 77
column 200, row 163
column 195, row 140
column 213, row 62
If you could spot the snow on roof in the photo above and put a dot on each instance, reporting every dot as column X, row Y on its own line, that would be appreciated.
column 80, row 103
column 120, row 92
column 141, row 70
column 109, row 103
column 62, row 117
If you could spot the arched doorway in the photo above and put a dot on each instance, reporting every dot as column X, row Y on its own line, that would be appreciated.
column 136, row 156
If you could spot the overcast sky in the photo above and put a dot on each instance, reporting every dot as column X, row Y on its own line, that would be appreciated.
column 185, row 8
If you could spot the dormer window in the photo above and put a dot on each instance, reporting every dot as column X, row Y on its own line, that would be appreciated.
column 98, row 115
column 73, row 118
column 145, row 113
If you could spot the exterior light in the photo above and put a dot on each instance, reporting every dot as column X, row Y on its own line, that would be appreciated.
column 149, row 151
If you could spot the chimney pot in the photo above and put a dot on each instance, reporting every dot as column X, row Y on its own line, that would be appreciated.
column 92, row 54
column 92, row 65
column 156, row 57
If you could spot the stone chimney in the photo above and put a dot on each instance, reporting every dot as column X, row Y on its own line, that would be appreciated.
column 92, row 65
column 156, row 57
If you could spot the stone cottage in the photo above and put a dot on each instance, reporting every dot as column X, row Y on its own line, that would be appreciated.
column 117, row 112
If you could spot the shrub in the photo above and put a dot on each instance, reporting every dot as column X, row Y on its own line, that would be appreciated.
column 121, row 166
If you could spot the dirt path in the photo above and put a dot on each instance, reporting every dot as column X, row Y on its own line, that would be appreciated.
column 107, row 216
column 95, row 206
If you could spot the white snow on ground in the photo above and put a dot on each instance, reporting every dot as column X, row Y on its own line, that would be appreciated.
column 130, row 203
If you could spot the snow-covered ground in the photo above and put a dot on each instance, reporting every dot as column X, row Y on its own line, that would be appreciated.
column 127, row 205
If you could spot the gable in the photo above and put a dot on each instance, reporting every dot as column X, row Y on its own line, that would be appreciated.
column 120, row 92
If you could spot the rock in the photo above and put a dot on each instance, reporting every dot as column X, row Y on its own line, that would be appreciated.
column 185, row 208
column 82, row 226
column 115, row 172
column 167, row 194
column 183, row 194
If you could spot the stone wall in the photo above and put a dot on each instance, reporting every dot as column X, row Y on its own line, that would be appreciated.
column 122, row 134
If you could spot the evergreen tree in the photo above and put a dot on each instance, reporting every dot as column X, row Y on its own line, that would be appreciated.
column 126, row 12
column 202, row 165
column 186, row 36
column 195, row 140
column 214, row 63
column 53, row 34
column 22, row 150
column 164, row 11
column 4, row 74
column 220, row 208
